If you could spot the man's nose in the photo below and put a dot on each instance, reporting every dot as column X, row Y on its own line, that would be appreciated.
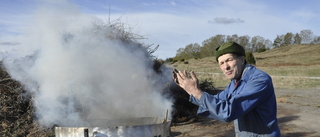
column 227, row 66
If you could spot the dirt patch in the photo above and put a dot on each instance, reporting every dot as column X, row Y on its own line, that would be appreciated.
column 202, row 127
column 298, row 116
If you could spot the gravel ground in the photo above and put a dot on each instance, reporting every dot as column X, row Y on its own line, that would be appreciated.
column 298, row 116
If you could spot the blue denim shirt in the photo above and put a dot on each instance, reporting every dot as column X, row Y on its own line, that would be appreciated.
column 251, row 105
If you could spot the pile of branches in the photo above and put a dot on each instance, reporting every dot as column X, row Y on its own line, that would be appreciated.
column 17, row 109
column 183, row 110
column 16, row 114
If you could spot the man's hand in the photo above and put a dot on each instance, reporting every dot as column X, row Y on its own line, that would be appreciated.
column 189, row 84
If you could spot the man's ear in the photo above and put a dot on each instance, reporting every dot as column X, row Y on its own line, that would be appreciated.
column 243, row 59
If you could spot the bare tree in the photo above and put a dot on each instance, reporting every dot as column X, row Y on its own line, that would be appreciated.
column 316, row 40
column 257, row 42
column 268, row 44
column 306, row 36
column 244, row 41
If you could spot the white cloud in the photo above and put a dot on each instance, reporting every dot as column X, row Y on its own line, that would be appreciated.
column 224, row 20
column 174, row 24
column 9, row 43
column 174, row 31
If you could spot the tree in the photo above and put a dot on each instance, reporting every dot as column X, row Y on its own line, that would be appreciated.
column 257, row 42
column 297, row 39
column 268, row 44
column 244, row 41
column 180, row 54
column 190, row 51
column 234, row 38
column 277, row 41
column 209, row 45
column 306, row 36
column 287, row 39
column 250, row 58
column 316, row 40
column 206, row 51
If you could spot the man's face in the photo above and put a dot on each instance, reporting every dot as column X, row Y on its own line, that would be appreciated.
column 231, row 65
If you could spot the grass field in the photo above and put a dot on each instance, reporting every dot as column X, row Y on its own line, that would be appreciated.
column 289, row 67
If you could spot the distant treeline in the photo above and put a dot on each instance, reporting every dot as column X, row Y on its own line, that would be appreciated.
column 254, row 44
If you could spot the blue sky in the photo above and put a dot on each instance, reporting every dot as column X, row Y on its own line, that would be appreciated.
column 173, row 24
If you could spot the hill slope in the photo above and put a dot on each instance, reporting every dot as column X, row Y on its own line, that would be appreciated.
column 295, row 55
column 289, row 55
column 293, row 65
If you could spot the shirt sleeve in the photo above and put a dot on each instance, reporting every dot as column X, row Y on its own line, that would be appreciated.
column 228, row 106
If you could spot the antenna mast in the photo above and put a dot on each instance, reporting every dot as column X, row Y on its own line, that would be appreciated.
column 109, row 15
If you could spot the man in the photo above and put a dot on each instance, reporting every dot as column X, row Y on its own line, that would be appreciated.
column 249, row 100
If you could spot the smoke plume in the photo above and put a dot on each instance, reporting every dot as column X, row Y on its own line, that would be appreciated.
column 83, row 68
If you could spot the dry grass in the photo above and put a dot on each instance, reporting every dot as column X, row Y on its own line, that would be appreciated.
column 206, row 69
column 295, row 55
column 303, row 71
column 199, row 65
column 297, row 62
column 295, row 83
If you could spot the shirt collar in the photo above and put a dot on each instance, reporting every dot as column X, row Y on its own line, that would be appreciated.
column 243, row 76
column 246, row 71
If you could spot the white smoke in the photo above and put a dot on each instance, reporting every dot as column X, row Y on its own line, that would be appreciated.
column 78, row 71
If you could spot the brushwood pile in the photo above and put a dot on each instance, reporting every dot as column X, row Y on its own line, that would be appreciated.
column 17, row 109
column 17, row 115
